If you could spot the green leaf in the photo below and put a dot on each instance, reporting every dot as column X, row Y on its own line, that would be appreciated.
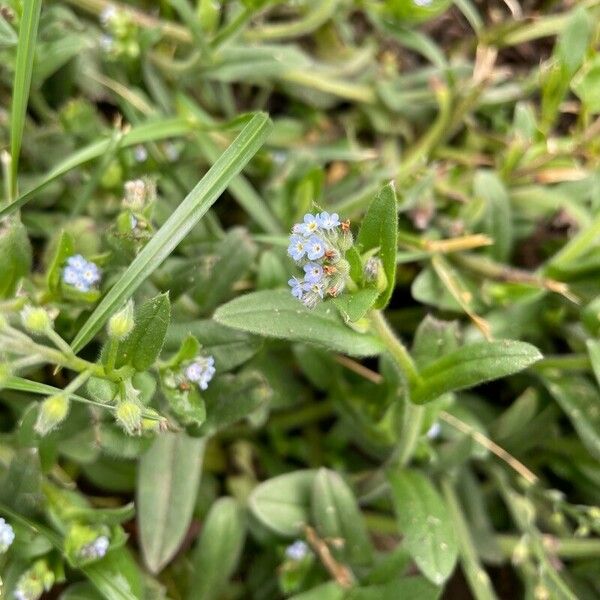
column 168, row 478
column 65, row 247
column 336, row 515
column 283, row 503
column 218, row 551
column 434, row 339
column 143, row 345
column 379, row 229
column 573, row 40
column 579, row 400
column 411, row 588
column 277, row 314
column 498, row 215
column 15, row 256
column 28, row 29
column 229, row 347
column 178, row 225
column 116, row 576
column 473, row 364
column 593, row 349
column 326, row 591
column 425, row 524
column 149, row 132
column 235, row 254
column 233, row 398
column 355, row 306
column 586, row 85
column 20, row 488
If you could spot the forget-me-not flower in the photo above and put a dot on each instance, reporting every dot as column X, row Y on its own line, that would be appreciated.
column 201, row 371
column 298, row 287
column 7, row 535
column 310, row 225
column 314, row 272
column 315, row 248
column 297, row 247
column 328, row 221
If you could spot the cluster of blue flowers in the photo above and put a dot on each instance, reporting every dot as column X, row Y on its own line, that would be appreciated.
column 81, row 274
column 318, row 246
column 7, row 536
column 201, row 371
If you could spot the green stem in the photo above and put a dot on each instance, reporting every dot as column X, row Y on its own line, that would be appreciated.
column 568, row 548
column 111, row 355
column 412, row 419
column 478, row 579
column 59, row 343
column 395, row 347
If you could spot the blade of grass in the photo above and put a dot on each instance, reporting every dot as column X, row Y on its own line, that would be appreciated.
column 189, row 212
column 22, row 82
column 157, row 130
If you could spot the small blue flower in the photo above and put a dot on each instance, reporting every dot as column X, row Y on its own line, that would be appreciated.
column 297, row 551
column 77, row 262
column 328, row 221
column 140, row 153
column 298, row 287
column 297, row 247
column 315, row 247
column 310, row 225
column 422, row 2
column 314, row 272
column 7, row 535
column 201, row 371
column 80, row 273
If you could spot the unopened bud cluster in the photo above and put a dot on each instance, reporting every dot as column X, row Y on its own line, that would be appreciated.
column 318, row 245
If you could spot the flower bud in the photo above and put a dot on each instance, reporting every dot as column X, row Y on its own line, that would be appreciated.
column 121, row 323
column 129, row 416
column 34, row 582
column 346, row 240
column 36, row 319
column 541, row 592
column 53, row 411
column 521, row 552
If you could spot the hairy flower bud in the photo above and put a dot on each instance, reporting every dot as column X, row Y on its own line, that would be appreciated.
column 129, row 416
column 53, row 411
column 121, row 323
column 35, row 319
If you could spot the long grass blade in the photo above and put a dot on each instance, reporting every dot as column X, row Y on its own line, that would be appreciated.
column 179, row 224
column 149, row 132
column 22, row 82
